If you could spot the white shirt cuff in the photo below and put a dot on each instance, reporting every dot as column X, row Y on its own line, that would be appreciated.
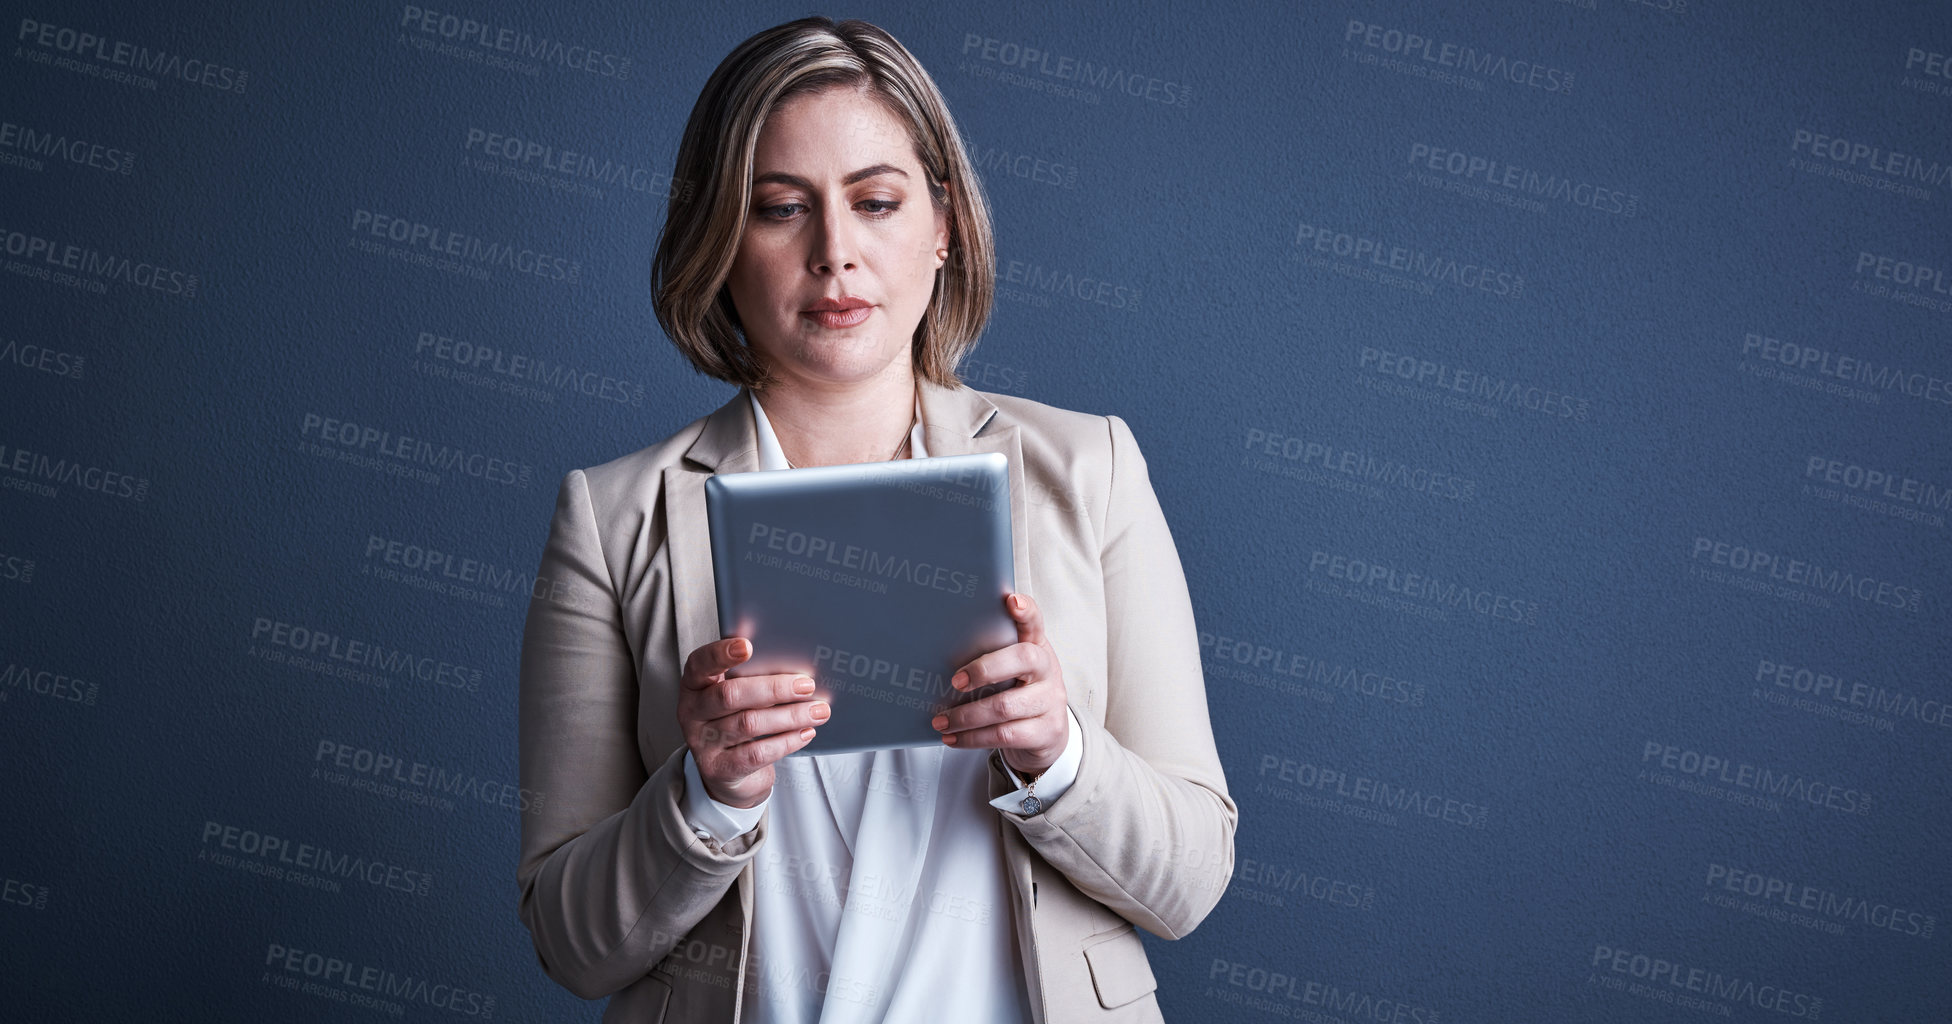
column 1056, row 779
column 710, row 819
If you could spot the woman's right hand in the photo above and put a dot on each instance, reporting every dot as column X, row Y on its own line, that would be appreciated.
column 736, row 728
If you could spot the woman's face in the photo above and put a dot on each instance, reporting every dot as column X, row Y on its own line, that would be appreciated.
column 840, row 212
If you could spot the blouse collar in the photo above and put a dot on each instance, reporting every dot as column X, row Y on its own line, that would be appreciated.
column 771, row 457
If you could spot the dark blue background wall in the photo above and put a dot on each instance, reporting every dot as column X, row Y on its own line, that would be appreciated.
column 1550, row 401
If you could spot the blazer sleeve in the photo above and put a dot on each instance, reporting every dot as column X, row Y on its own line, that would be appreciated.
column 1147, row 827
column 611, row 876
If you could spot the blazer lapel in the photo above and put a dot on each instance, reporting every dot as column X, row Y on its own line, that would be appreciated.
column 960, row 421
column 728, row 444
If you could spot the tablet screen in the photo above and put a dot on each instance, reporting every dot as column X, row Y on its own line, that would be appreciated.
column 879, row 580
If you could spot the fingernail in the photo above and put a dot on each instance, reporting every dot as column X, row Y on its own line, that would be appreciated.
column 806, row 734
column 803, row 684
column 949, row 738
column 1016, row 603
column 741, row 648
column 821, row 711
column 959, row 680
column 939, row 723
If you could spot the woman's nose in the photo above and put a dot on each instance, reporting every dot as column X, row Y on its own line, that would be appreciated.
column 833, row 242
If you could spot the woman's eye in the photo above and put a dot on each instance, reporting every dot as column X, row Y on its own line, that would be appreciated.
column 874, row 207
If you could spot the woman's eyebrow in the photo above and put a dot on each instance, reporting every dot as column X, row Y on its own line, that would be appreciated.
column 783, row 178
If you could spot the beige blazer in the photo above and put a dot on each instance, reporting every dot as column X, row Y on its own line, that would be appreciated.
column 623, row 900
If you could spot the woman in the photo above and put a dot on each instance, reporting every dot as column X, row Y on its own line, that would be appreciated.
column 836, row 264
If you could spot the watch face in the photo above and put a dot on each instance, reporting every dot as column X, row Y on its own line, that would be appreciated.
column 1031, row 805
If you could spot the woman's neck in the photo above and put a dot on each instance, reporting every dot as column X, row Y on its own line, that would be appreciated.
column 840, row 425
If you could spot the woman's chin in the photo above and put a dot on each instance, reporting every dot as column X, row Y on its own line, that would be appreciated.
column 841, row 364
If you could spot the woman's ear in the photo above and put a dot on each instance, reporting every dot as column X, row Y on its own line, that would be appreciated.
column 943, row 207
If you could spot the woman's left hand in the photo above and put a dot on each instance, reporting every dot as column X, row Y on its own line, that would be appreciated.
column 1028, row 722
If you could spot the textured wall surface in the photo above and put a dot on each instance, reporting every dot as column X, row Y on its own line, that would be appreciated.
column 1550, row 401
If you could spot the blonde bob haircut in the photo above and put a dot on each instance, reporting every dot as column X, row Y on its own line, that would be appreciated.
column 701, row 237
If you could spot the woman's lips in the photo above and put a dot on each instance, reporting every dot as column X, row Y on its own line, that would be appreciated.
column 839, row 318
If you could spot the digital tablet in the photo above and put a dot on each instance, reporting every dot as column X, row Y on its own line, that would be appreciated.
column 879, row 580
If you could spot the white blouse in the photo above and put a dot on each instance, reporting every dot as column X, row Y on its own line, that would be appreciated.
column 881, row 890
